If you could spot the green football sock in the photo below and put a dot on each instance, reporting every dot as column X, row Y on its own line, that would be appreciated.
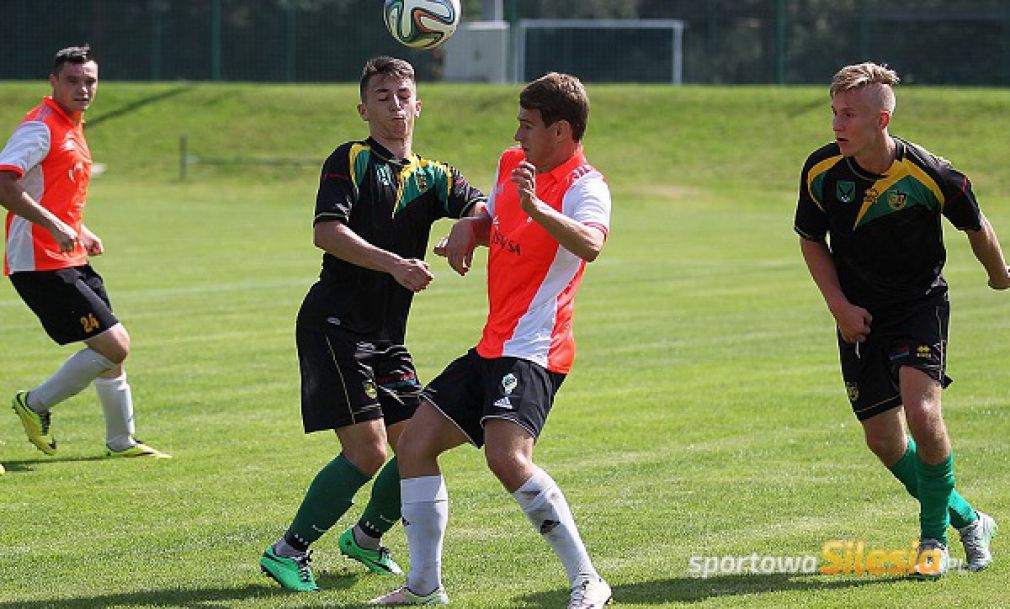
column 961, row 512
column 383, row 509
column 329, row 496
column 936, row 483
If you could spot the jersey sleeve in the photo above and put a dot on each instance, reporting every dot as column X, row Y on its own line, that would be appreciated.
column 811, row 220
column 26, row 148
column 461, row 195
column 588, row 201
column 960, row 206
column 494, row 192
column 336, row 195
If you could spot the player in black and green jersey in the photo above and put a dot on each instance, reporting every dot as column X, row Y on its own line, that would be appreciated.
column 879, row 200
column 376, row 203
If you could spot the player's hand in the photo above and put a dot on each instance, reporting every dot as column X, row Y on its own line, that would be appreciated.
column 91, row 242
column 853, row 323
column 1000, row 283
column 525, row 177
column 459, row 246
column 412, row 274
column 64, row 234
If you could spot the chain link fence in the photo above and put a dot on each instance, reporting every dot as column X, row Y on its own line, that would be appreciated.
column 964, row 42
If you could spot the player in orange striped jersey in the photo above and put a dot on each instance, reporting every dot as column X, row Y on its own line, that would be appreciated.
column 44, row 173
column 548, row 215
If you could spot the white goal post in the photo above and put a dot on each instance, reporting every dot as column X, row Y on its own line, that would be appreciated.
column 674, row 26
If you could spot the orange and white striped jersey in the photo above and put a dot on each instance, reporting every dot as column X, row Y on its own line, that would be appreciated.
column 532, row 280
column 50, row 156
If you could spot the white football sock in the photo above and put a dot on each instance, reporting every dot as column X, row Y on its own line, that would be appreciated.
column 425, row 508
column 545, row 506
column 117, row 405
column 74, row 375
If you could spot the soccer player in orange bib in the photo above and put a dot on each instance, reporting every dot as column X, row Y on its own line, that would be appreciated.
column 44, row 173
column 549, row 214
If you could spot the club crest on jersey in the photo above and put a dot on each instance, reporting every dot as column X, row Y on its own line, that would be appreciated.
column 870, row 196
column 422, row 181
column 896, row 199
column 845, row 191
column 370, row 389
column 509, row 383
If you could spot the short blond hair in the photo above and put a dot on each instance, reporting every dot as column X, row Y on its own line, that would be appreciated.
column 862, row 75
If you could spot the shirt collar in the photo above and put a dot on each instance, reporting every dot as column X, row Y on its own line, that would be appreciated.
column 385, row 154
column 49, row 101
column 577, row 159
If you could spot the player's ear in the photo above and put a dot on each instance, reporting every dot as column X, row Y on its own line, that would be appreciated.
column 562, row 128
column 885, row 119
column 417, row 108
column 363, row 112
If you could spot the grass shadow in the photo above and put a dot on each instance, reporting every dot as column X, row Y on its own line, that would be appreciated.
column 187, row 599
column 26, row 465
column 697, row 589
column 132, row 106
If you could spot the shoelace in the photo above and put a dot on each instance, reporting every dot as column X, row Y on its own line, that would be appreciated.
column 972, row 538
column 304, row 573
column 44, row 422
column 579, row 594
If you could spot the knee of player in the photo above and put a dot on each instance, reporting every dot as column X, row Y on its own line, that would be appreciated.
column 368, row 459
column 114, row 345
column 888, row 449
column 507, row 466
column 414, row 448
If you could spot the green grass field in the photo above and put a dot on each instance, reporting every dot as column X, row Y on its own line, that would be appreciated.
column 705, row 415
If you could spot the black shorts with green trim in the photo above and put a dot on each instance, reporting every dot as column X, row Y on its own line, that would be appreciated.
column 870, row 368
column 348, row 379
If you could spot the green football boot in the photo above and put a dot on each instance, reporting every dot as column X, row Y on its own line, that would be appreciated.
column 36, row 425
column 291, row 573
column 378, row 561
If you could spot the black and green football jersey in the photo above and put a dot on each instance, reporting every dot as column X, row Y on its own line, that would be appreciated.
column 391, row 203
column 884, row 231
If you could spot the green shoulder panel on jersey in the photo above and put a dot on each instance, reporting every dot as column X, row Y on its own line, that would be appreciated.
column 815, row 179
column 359, row 156
column 906, row 186
column 420, row 176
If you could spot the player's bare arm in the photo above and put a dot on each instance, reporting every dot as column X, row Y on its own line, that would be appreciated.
column 463, row 239
column 91, row 242
column 340, row 241
column 15, row 199
column 853, row 321
column 584, row 241
column 985, row 245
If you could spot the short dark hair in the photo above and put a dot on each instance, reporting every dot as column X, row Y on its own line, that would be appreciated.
column 558, row 97
column 75, row 55
column 386, row 66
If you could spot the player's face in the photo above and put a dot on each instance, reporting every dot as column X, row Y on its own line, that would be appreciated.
column 75, row 86
column 390, row 107
column 538, row 141
column 858, row 122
